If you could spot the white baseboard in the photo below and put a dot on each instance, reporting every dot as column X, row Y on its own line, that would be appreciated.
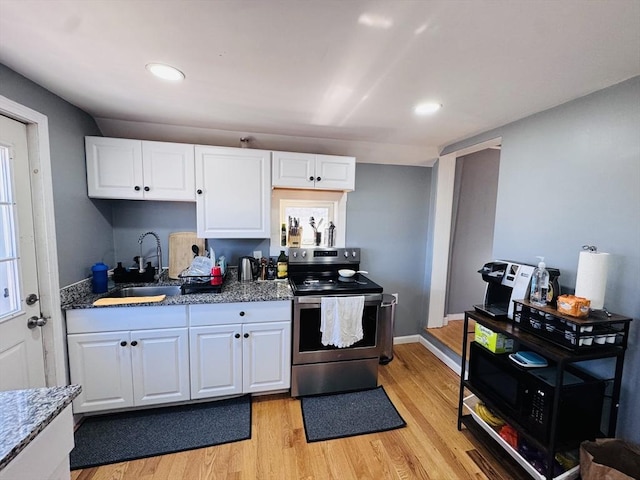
column 406, row 339
column 455, row 316
column 441, row 356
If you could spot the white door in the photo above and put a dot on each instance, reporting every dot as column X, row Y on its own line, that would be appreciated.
column 242, row 174
column 160, row 365
column 21, row 348
column 266, row 356
column 114, row 168
column 169, row 171
column 335, row 173
column 101, row 363
column 216, row 360
column 294, row 170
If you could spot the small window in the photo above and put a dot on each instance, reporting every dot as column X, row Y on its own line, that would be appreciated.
column 9, row 259
column 328, row 206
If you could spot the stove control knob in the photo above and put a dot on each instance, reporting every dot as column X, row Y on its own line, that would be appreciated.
column 354, row 254
column 294, row 254
column 304, row 253
column 346, row 254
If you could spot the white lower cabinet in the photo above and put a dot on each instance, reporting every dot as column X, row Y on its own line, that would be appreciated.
column 133, row 367
column 250, row 355
column 138, row 356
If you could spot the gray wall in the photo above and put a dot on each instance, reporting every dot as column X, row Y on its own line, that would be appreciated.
column 583, row 158
column 472, row 236
column 387, row 216
column 83, row 227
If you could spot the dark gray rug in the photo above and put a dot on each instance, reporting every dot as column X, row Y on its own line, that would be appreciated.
column 348, row 414
column 126, row 436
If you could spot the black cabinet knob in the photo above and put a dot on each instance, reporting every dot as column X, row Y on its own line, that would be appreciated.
column 199, row 191
column 137, row 188
column 123, row 343
column 242, row 314
column 134, row 343
column 146, row 189
column 237, row 335
column 311, row 179
column 246, row 335
column 318, row 179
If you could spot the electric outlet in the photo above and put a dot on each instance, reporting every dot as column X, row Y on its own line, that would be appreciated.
column 396, row 297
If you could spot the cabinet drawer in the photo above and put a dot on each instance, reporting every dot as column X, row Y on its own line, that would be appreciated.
column 91, row 320
column 244, row 312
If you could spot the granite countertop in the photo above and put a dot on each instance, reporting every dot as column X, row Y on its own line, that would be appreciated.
column 25, row 413
column 232, row 291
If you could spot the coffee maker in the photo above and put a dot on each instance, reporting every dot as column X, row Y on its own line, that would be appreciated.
column 508, row 281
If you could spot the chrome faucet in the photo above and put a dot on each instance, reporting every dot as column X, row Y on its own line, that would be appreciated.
column 141, row 269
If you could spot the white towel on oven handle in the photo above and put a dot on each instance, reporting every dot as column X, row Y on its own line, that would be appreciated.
column 341, row 320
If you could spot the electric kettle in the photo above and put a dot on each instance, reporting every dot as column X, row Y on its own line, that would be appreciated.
column 247, row 269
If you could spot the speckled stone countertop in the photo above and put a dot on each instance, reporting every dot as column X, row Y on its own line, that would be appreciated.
column 25, row 413
column 232, row 291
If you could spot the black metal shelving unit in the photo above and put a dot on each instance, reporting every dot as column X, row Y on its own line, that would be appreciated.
column 563, row 353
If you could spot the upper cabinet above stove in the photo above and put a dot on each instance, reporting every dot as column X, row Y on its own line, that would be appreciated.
column 139, row 170
column 310, row 171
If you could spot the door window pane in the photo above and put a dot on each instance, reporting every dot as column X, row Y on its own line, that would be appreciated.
column 9, row 278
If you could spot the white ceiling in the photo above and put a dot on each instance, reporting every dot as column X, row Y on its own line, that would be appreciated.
column 310, row 75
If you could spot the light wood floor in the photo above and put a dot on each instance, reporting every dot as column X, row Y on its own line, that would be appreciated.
column 451, row 335
column 422, row 388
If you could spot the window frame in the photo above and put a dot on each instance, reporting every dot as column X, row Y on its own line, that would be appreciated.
column 337, row 198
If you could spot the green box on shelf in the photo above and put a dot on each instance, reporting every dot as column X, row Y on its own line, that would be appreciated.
column 495, row 342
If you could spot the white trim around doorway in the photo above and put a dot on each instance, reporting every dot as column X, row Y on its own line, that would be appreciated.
column 45, row 235
column 442, row 230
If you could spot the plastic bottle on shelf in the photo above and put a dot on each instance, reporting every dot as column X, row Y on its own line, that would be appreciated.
column 539, row 285
column 283, row 265
column 283, row 235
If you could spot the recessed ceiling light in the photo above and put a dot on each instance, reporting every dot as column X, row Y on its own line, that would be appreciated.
column 166, row 72
column 427, row 108
column 375, row 21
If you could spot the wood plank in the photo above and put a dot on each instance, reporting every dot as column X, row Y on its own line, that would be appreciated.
column 451, row 335
column 422, row 388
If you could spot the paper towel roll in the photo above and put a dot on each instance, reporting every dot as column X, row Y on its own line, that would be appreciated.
column 591, row 281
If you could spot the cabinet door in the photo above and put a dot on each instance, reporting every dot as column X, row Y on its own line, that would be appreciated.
column 293, row 170
column 216, row 360
column 266, row 356
column 160, row 365
column 233, row 192
column 169, row 171
column 114, row 168
column 335, row 173
column 101, row 363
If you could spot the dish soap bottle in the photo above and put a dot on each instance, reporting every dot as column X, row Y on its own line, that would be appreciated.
column 539, row 285
column 283, row 264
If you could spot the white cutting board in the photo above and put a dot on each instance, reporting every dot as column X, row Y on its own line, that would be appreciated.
column 180, row 253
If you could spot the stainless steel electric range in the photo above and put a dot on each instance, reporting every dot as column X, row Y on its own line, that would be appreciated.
column 318, row 368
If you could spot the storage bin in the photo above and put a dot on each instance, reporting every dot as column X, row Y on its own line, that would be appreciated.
column 492, row 341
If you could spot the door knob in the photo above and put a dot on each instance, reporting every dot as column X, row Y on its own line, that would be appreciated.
column 34, row 322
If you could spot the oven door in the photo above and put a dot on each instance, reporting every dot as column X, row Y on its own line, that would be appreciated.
column 307, row 345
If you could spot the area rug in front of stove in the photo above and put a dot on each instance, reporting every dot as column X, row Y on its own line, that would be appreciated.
column 340, row 415
column 120, row 437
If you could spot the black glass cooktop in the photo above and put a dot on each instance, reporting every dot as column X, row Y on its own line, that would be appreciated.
column 327, row 284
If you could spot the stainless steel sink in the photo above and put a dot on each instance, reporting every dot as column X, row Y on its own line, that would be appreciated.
column 145, row 291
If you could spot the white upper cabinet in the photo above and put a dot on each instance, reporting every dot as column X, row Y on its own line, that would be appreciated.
column 310, row 171
column 139, row 170
column 233, row 192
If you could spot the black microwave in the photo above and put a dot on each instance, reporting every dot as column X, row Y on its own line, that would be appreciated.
column 527, row 395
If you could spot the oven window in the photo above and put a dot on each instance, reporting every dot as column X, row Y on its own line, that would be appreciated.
column 310, row 335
